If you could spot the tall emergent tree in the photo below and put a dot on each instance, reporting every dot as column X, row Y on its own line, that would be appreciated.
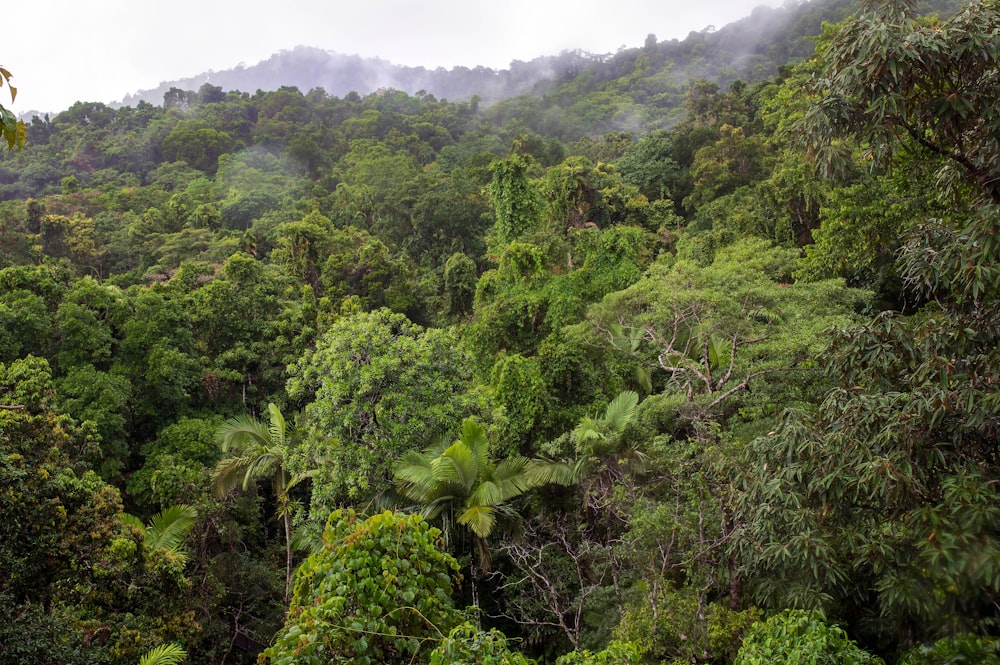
column 883, row 506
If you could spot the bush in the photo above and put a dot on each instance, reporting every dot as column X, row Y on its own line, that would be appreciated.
column 797, row 636
column 467, row 645
column 378, row 592
column 958, row 650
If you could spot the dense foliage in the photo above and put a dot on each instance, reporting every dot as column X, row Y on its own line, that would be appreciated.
column 645, row 368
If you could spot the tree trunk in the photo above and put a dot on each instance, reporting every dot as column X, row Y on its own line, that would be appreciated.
column 288, row 556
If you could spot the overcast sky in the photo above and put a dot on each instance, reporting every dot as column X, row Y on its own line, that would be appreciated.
column 102, row 50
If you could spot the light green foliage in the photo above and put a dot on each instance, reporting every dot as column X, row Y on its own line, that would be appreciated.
column 197, row 144
column 165, row 654
column 25, row 323
column 375, row 386
column 958, row 650
column 794, row 637
column 468, row 645
column 517, row 387
column 459, row 283
column 177, row 464
column 167, row 529
column 711, row 332
column 735, row 159
column 684, row 627
column 461, row 482
column 378, row 592
column 515, row 201
column 302, row 247
column 650, row 166
column 616, row 653
column 865, row 225
column 102, row 398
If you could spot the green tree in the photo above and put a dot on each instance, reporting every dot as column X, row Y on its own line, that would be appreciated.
column 375, row 386
column 257, row 451
column 793, row 637
column 378, row 592
column 462, row 483
column 515, row 201
column 896, row 83
column 881, row 505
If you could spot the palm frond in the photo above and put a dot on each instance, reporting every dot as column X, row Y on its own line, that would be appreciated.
column 479, row 519
column 510, row 473
column 586, row 430
column 308, row 538
column 487, row 494
column 229, row 474
column 165, row 654
column 276, row 428
column 240, row 432
column 169, row 527
column 132, row 520
column 542, row 472
column 458, row 464
column 474, row 438
column 620, row 410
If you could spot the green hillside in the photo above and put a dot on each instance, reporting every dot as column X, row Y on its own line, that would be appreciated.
column 690, row 355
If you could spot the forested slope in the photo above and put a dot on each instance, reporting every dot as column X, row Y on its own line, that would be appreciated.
column 294, row 377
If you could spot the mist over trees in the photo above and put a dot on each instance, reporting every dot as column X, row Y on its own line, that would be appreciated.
column 685, row 354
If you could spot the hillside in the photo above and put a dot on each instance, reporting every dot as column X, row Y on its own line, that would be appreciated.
column 749, row 49
column 633, row 368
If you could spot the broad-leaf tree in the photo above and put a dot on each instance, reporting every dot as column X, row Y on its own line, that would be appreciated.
column 881, row 506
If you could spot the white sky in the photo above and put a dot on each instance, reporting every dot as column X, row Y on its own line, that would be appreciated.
column 102, row 50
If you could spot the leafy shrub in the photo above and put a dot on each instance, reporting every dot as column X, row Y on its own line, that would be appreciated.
column 376, row 593
column 958, row 650
column 797, row 636
column 616, row 653
column 467, row 645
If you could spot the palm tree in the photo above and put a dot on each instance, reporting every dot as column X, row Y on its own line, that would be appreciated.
column 167, row 529
column 257, row 451
column 461, row 483
column 165, row 654
column 596, row 441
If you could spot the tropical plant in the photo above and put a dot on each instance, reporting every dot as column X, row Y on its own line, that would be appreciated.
column 596, row 440
column 257, row 451
column 167, row 529
column 12, row 130
column 165, row 654
column 964, row 649
column 468, row 645
column 797, row 636
column 379, row 591
column 461, row 482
